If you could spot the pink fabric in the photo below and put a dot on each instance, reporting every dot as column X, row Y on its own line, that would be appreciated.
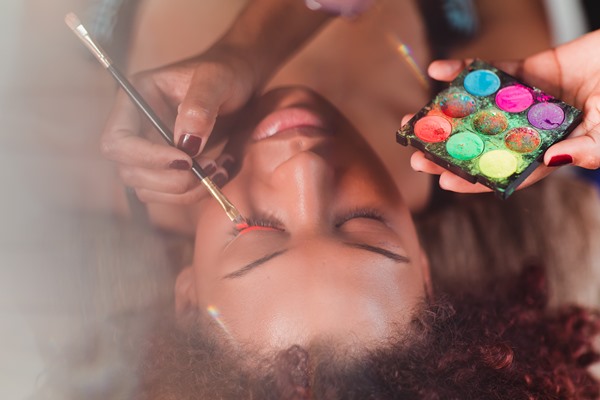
column 346, row 8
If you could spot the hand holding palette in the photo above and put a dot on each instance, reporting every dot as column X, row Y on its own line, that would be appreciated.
column 489, row 127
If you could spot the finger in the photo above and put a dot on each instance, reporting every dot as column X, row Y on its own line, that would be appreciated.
column 541, row 172
column 514, row 68
column 184, row 199
column 581, row 150
column 418, row 162
column 406, row 118
column 198, row 112
column 454, row 183
column 173, row 181
column 226, row 161
column 446, row 70
column 136, row 151
column 448, row 180
column 220, row 177
column 120, row 141
column 192, row 196
column 226, row 165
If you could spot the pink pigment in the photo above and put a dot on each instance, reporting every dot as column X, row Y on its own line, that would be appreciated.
column 514, row 98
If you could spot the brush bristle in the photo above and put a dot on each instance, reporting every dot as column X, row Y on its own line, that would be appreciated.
column 72, row 21
column 241, row 226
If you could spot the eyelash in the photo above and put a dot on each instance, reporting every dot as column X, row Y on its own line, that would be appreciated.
column 272, row 224
column 258, row 222
column 367, row 213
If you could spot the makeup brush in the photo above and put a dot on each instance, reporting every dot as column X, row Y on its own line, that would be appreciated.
column 73, row 22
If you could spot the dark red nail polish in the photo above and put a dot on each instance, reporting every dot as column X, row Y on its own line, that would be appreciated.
column 190, row 144
column 228, row 164
column 219, row 179
column 209, row 169
column 182, row 165
column 561, row 159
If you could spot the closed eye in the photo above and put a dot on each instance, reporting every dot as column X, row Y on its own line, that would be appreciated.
column 259, row 224
column 366, row 213
column 269, row 223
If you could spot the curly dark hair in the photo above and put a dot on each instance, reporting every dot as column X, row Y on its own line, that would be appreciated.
column 502, row 345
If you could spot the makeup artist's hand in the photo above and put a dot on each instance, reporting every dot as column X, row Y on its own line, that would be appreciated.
column 194, row 91
column 191, row 94
column 570, row 72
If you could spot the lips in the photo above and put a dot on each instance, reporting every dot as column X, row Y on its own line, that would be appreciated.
column 288, row 118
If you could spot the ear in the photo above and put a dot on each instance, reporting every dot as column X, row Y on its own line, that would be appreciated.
column 426, row 271
column 185, row 290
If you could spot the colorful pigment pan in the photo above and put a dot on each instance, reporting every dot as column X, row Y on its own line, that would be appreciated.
column 489, row 127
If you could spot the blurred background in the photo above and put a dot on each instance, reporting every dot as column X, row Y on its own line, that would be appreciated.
column 53, row 104
column 54, row 101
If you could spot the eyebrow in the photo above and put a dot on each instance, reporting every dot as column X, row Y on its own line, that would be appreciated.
column 248, row 267
column 378, row 250
column 398, row 258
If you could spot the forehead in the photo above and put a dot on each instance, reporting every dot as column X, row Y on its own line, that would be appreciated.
column 297, row 298
column 319, row 263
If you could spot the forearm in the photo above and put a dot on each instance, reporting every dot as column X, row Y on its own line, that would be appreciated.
column 267, row 32
column 503, row 25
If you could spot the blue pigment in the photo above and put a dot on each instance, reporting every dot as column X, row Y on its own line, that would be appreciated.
column 482, row 82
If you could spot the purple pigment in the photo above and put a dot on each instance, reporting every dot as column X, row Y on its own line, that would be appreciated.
column 514, row 98
column 546, row 116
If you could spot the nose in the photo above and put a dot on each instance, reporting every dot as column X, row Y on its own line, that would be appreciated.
column 302, row 189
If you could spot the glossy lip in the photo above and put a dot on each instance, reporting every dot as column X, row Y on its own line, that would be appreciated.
column 288, row 118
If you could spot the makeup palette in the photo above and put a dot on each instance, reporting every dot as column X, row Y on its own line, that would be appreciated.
column 489, row 127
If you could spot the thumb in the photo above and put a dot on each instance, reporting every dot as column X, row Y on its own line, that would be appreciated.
column 582, row 150
column 197, row 115
column 446, row 70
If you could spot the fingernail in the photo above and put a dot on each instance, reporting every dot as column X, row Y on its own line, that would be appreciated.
column 228, row 163
column 219, row 179
column 209, row 169
column 561, row 159
column 182, row 165
column 190, row 144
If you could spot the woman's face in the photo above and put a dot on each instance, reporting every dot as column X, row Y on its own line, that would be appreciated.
column 334, row 252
